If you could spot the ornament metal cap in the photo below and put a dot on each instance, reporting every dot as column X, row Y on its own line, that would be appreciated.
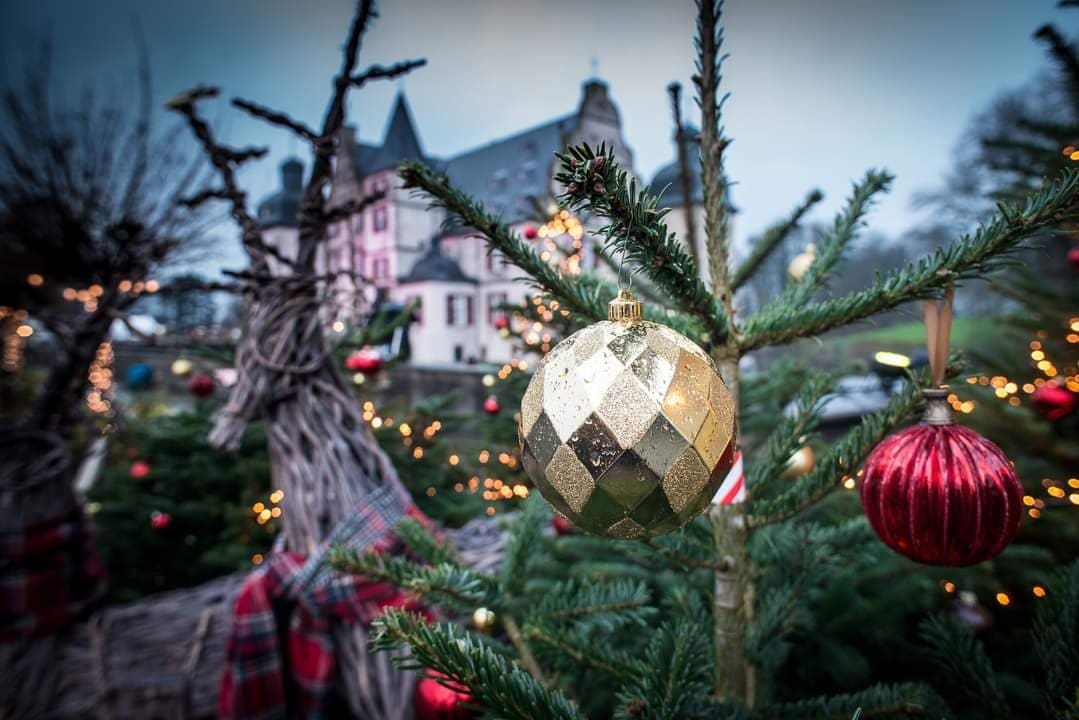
column 625, row 308
column 937, row 411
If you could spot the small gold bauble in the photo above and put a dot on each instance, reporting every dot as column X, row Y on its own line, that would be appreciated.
column 799, row 464
column 483, row 619
column 181, row 367
column 626, row 427
column 801, row 263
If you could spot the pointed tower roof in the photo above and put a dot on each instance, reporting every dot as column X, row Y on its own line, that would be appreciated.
column 401, row 142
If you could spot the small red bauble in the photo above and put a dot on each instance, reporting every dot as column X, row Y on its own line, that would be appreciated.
column 940, row 493
column 139, row 469
column 530, row 232
column 435, row 701
column 366, row 361
column 202, row 385
column 502, row 322
column 491, row 406
column 1073, row 258
column 1053, row 401
column 160, row 520
column 561, row 525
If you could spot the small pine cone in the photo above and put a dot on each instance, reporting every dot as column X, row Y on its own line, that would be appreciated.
column 599, row 188
column 658, row 262
column 597, row 163
column 574, row 163
column 573, row 188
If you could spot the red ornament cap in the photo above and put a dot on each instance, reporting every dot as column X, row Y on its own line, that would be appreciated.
column 940, row 493
column 139, row 469
column 491, row 406
column 530, row 232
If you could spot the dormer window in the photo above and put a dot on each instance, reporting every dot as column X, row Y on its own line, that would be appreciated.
column 381, row 219
column 500, row 181
column 528, row 171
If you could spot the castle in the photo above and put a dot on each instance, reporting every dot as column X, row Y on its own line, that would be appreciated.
column 397, row 245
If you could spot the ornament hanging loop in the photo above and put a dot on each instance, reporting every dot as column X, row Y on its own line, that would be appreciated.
column 938, row 331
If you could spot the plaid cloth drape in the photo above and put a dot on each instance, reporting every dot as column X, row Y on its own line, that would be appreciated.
column 281, row 658
column 50, row 576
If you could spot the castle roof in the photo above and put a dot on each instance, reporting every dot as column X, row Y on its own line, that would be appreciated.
column 400, row 142
column 434, row 266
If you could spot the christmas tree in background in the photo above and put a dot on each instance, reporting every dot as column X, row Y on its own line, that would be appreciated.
column 765, row 607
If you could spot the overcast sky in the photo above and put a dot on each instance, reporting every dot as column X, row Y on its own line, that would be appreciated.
column 820, row 90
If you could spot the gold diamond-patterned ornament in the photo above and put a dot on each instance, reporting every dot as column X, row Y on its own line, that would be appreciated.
column 626, row 427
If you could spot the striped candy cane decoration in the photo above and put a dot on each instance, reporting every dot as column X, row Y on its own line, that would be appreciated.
column 733, row 489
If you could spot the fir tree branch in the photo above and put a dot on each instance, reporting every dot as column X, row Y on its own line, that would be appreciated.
column 772, row 238
column 577, row 295
column 582, row 652
column 624, row 601
column 443, row 583
column 970, row 256
column 962, row 663
column 418, row 539
column 842, row 458
column 673, row 677
column 595, row 183
column 713, row 143
column 902, row 700
column 1056, row 640
column 835, row 243
column 1064, row 54
column 503, row 688
column 787, row 436
column 525, row 536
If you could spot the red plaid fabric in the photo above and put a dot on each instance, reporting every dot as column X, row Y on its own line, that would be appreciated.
column 281, row 658
column 50, row 576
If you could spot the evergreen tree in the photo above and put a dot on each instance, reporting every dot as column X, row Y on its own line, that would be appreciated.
column 763, row 609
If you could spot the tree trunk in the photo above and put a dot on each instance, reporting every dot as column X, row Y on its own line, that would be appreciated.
column 54, row 405
column 732, row 604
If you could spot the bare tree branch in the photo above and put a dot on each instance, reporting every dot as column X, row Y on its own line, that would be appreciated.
column 276, row 117
column 386, row 72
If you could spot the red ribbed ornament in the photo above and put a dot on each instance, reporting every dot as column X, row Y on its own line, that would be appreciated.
column 940, row 493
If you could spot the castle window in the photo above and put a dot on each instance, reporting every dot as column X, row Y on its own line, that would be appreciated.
column 459, row 310
column 500, row 181
column 495, row 310
column 528, row 171
column 331, row 230
column 381, row 219
column 381, row 268
column 357, row 222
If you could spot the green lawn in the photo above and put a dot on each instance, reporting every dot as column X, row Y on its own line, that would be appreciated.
column 912, row 334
